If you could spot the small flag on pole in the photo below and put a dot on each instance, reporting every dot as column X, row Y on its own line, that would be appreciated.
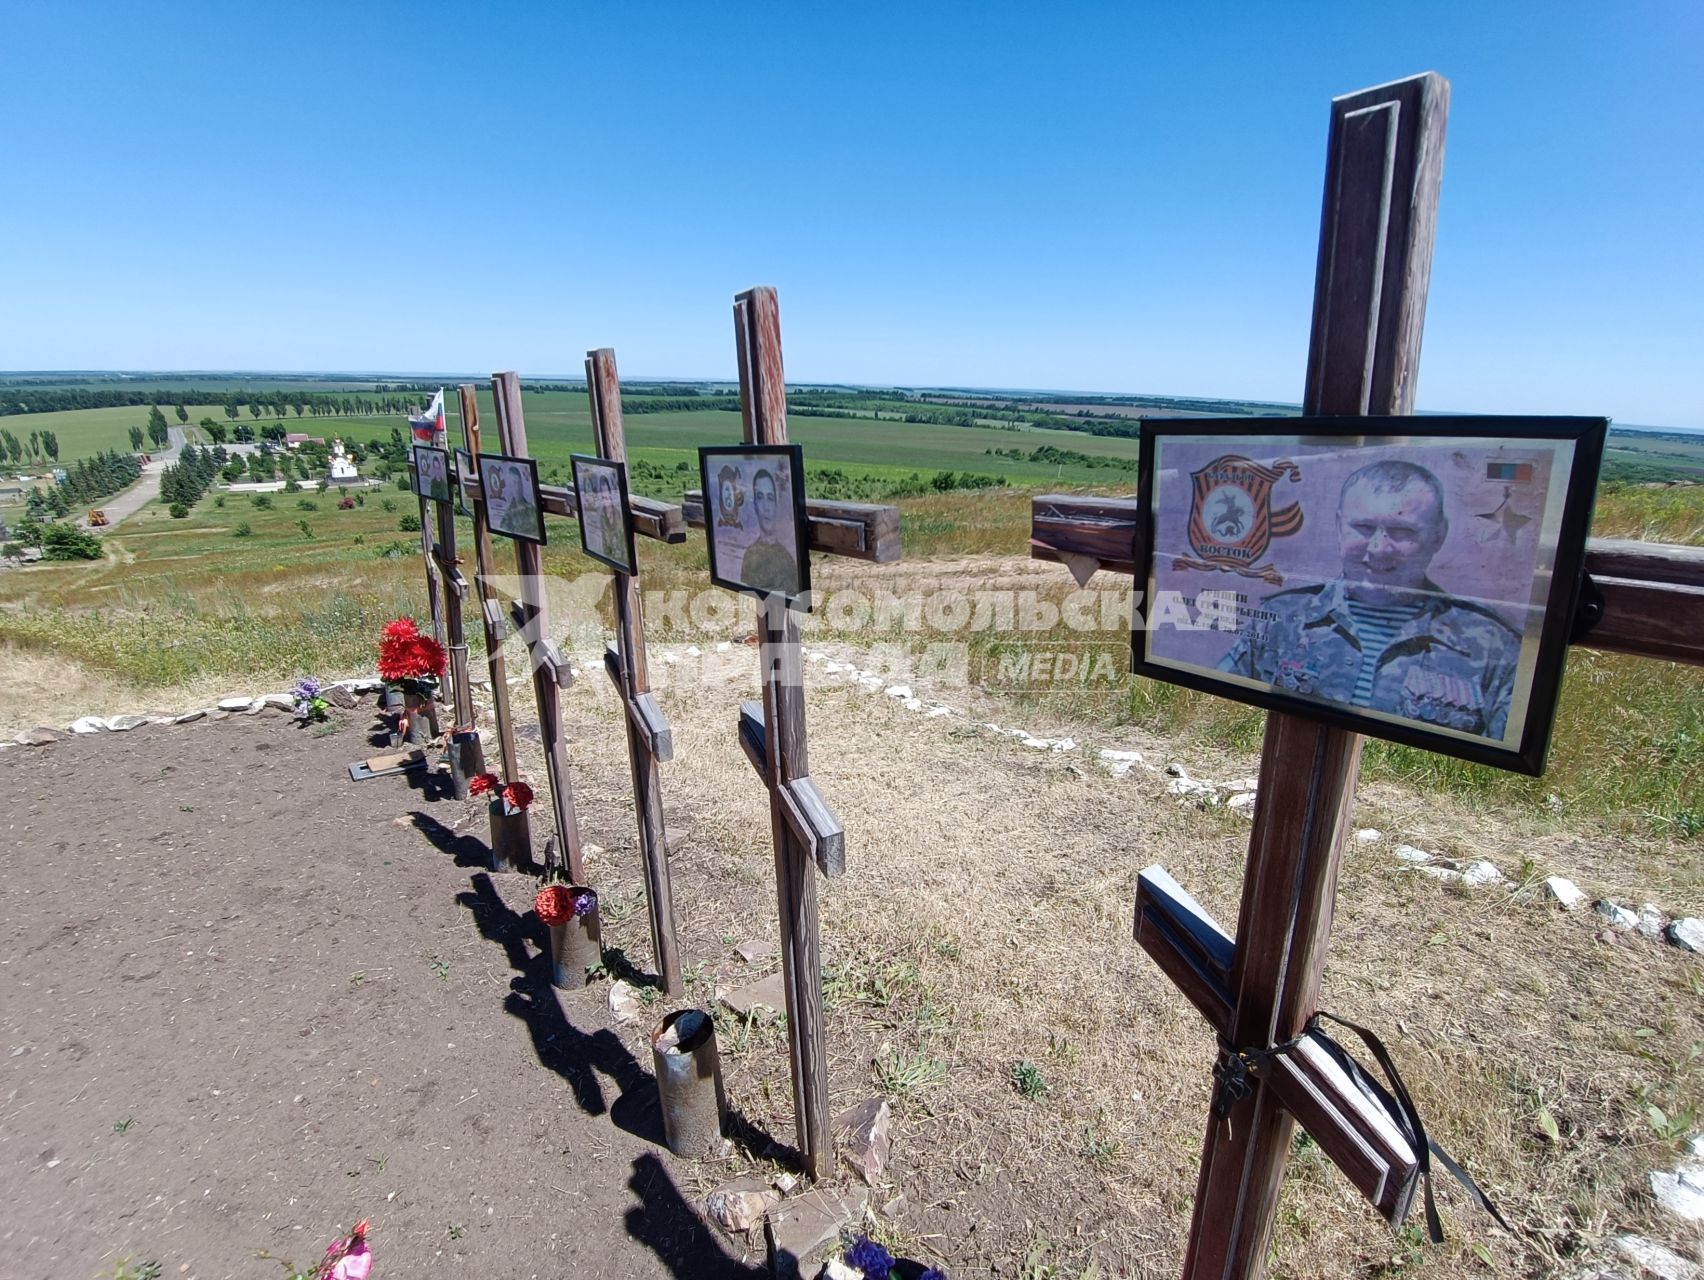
column 429, row 427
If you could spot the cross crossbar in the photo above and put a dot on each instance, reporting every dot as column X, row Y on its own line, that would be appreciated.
column 807, row 812
column 856, row 530
column 652, row 518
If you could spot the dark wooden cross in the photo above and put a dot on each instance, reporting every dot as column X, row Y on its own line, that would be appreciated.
column 772, row 732
column 1259, row 989
column 650, row 741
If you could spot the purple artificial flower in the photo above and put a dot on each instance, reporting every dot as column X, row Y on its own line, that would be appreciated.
column 933, row 1273
column 585, row 902
column 307, row 687
column 870, row 1258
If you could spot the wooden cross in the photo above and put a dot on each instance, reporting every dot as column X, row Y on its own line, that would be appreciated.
column 649, row 738
column 1383, row 169
column 772, row 733
column 551, row 672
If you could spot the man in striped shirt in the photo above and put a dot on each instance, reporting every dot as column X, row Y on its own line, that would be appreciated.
column 1385, row 636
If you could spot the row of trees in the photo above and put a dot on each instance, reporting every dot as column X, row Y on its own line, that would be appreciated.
column 184, row 482
column 38, row 445
column 90, row 479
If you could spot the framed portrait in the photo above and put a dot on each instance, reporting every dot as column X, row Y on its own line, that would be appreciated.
column 1407, row 578
column 512, row 507
column 606, row 526
column 464, row 468
column 754, row 513
column 431, row 473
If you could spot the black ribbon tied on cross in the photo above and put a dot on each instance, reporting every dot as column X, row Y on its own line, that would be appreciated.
column 1234, row 1073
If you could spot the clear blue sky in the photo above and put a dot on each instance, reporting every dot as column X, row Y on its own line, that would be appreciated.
column 1094, row 197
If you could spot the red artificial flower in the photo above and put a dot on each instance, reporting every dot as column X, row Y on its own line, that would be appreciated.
column 405, row 654
column 517, row 795
column 400, row 629
column 554, row 904
column 429, row 656
column 481, row 784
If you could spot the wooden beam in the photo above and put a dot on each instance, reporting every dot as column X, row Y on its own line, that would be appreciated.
column 652, row 518
column 857, row 530
column 1653, row 592
column 491, row 608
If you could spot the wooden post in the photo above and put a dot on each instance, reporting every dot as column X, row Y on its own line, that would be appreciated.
column 763, row 407
column 490, row 608
column 648, row 737
column 1383, row 170
column 548, row 670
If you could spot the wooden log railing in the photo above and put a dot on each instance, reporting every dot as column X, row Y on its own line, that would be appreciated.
column 1652, row 592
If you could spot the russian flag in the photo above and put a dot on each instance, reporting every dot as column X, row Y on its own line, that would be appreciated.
column 429, row 426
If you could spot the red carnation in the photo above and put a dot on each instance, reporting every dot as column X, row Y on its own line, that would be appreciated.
column 428, row 656
column 481, row 784
column 400, row 629
column 517, row 795
column 554, row 904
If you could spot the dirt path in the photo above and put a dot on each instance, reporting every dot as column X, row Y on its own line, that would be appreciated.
column 249, row 1001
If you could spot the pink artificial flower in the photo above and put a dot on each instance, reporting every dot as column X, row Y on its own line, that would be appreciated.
column 355, row 1264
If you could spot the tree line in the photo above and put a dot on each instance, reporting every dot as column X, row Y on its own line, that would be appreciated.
column 37, row 445
column 183, row 483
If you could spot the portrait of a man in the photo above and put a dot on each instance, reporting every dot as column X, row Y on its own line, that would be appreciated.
column 606, row 531
column 1383, row 635
column 431, row 473
column 1413, row 580
column 511, row 496
column 756, row 521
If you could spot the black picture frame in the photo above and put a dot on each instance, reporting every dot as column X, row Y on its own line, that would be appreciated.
column 722, row 538
column 587, row 467
column 463, row 468
column 442, row 459
column 1563, row 521
column 494, row 474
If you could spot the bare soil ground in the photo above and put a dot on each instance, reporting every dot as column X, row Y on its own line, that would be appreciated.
column 312, row 1005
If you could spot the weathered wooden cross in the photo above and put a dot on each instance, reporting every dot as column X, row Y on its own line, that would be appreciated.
column 772, row 733
column 650, row 741
column 660, row 521
column 1259, row 989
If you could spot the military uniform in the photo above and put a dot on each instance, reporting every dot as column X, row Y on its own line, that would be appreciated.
column 1452, row 664
column 768, row 566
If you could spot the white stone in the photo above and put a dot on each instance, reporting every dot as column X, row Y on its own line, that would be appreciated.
column 939, row 711
column 1687, row 934
column 1120, row 757
column 913, row 704
column 1176, row 770
column 87, row 724
column 835, row 668
column 901, row 691
column 1652, row 920
column 283, row 700
column 1654, row 1259
column 235, row 704
column 722, row 646
column 123, row 724
column 1435, row 871
column 624, row 1004
column 1617, row 915
column 670, row 659
column 1244, row 784
column 1481, row 872
column 1565, row 891
column 1682, row 1191
column 1408, row 853
column 837, row 1269
column 1368, row 835
column 1242, row 800
column 693, row 651
column 870, row 683
column 816, row 655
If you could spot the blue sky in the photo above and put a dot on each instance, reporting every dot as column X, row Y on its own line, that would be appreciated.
column 1094, row 197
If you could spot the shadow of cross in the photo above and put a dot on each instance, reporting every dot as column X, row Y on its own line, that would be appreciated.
column 804, row 830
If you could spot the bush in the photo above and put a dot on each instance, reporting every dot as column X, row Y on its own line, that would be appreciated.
column 292, row 485
column 179, row 511
column 346, row 503
column 401, row 483
column 68, row 542
column 12, row 550
column 219, row 501
column 389, row 504
column 262, row 501
column 242, row 531
column 306, row 528
column 361, row 500
column 410, row 523
column 307, row 504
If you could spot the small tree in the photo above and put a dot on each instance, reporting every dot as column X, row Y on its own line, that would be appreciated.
column 409, row 523
column 136, row 439
column 157, row 429
column 50, row 442
column 179, row 511
column 183, row 414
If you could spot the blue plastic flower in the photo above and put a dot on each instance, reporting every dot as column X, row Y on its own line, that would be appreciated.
column 870, row 1258
column 933, row 1273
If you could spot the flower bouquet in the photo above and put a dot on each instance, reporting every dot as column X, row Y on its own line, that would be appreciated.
column 311, row 706
column 511, row 837
column 412, row 663
column 346, row 1258
column 570, row 913
column 864, row 1259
